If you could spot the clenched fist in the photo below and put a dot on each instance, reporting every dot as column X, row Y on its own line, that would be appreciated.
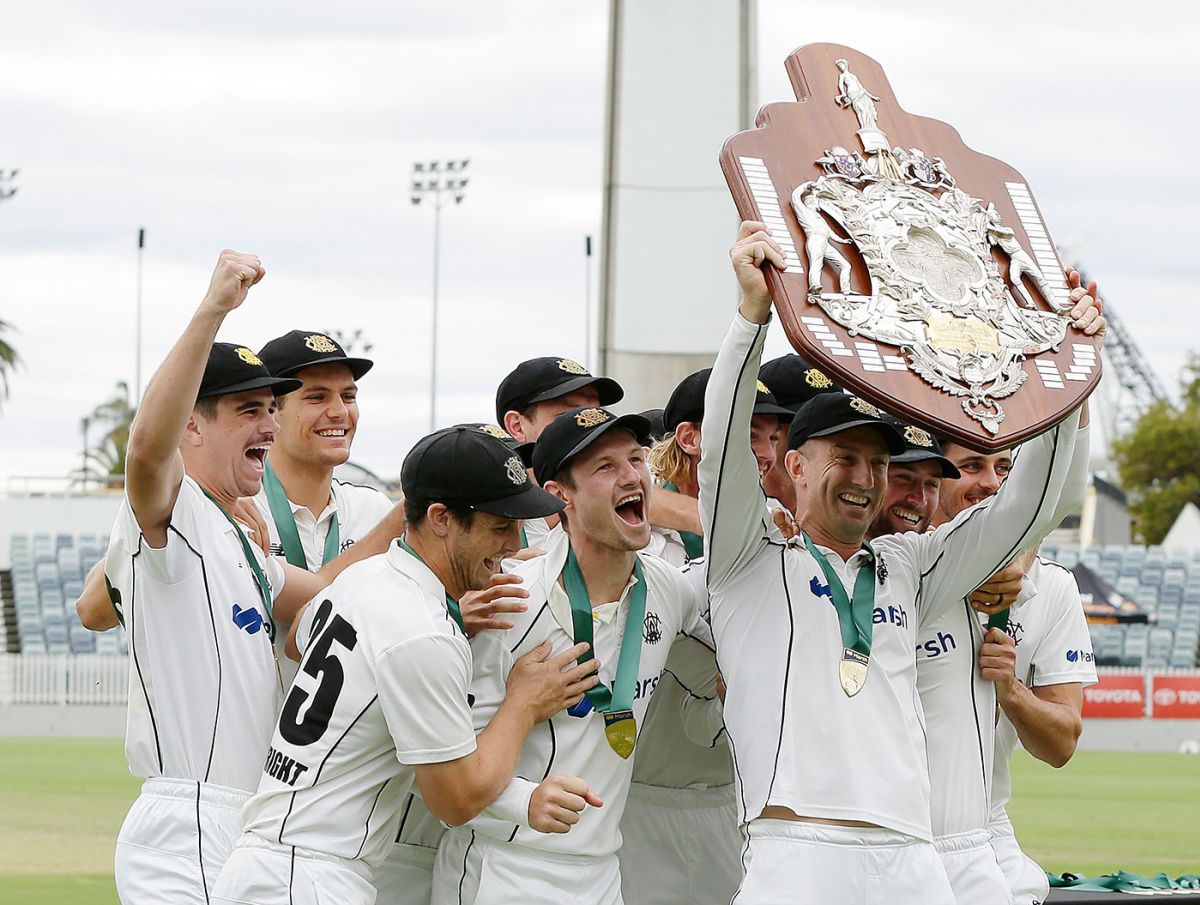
column 232, row 278
column 558, row 802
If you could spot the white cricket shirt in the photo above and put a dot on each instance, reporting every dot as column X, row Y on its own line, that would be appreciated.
column 683, row 743
column 358, row 508
column 1054, row 647
column 575, row 746
column 383, row 685
column 798, row 740
column 960, row 705
column 204, row 687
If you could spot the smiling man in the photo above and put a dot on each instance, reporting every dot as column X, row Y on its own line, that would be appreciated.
column 816, row 639
column 592, row 585
column 199, row 601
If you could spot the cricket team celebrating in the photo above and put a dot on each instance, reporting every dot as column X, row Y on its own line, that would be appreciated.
column 780, row 652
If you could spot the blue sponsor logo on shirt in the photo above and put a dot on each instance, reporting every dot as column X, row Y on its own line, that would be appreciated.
column 820, row 590
column 893, row 614
column 937, row 647
column 248, row 620
column 1080, row 656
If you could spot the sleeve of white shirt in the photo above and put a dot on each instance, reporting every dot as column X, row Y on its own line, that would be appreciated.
column 953, row 560
column 1066, row 631
column 423, row 685
column 1075, row 485
column 173, row 562
column 733, row 508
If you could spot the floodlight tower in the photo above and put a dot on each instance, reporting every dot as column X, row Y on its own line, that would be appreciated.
column 441, row 180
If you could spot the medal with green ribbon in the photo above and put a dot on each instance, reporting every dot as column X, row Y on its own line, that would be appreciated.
column 615, row 704
column 451, row 603
column 285, row 523
column 260, row 579
column 854, row 617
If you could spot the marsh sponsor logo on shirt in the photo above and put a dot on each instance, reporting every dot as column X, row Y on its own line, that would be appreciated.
column 1076, row 655
column 892, row 614
column 938, row 646
column 249, row 620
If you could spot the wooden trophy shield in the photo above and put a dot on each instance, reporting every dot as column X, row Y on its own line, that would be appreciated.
column 920, row 272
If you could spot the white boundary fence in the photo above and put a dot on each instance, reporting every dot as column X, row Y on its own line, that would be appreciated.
column 87, row 679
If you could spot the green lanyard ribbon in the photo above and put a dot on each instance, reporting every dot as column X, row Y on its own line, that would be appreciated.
column 451, row 604
column 693, row 543
column 264, row 587
column 285, row 523
column 620, row 697
column 854, row 615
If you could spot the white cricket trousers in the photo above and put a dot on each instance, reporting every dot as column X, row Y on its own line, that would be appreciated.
column 261, row 872
column 1026, row 880
column 406, row 877
column 791, row 862
column 174, row 840
column 972, row 868
column 473, row 869
column 680, row 846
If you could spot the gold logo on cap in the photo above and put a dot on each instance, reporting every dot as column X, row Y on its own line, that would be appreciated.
column 516, row 471
column 761, row 387
column 571, row 367
column 865, row 407
column 247, row 356
column 817, row 379
column 591, row 417
column 917, row 437
column 320, row 343
column 498, row 432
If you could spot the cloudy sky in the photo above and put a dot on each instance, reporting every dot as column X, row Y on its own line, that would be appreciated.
column 289, row 130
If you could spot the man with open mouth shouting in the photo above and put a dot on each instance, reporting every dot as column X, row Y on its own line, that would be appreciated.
column 592, row 585
column 816, row 636
column 199, row 601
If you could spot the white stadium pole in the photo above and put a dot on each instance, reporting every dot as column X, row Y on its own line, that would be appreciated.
column 681, row 79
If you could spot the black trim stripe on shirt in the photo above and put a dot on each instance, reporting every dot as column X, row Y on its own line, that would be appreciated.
column 404, row 817
column 725, row 450
column 291, row 875
column 367, row 822
column 137, row 665
column 972, row 621
column 212, row 619
column 545, row 608
column 787, row 671
column 321, row 766
column 463, row 877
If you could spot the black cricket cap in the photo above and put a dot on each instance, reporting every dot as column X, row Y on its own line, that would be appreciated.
column 524, row 450
column 572, row 432
column 922, row 446
column 541, row 379
column 235, row 369
column 795, row 380
column 469, row 467
column 687, row 401
column 300, row 349
column 658, row 429
column 832, row 413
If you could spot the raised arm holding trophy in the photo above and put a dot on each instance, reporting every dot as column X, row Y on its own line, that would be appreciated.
column 816, row 635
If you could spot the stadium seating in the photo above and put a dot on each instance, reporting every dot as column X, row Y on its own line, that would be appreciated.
column 48, row 572
column 47, row 575
column 1165, row 584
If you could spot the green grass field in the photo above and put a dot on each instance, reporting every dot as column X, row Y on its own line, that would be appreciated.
column 62, row 802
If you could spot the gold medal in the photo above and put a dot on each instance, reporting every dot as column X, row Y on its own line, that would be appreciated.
column 853, row 671
column 620, row 728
